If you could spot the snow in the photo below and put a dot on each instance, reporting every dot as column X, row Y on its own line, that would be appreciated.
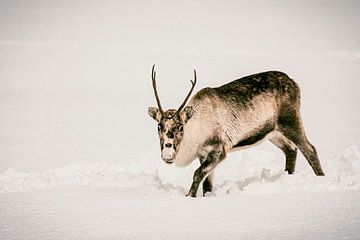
column 113, row 213
column 250, row 171
column 253, row 199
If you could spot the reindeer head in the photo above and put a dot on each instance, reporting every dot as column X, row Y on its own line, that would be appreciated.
column 170, row 123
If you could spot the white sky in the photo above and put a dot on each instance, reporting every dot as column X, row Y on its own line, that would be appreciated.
column 263, row 26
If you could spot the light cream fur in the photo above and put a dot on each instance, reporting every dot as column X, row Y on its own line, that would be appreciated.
column 215, row 117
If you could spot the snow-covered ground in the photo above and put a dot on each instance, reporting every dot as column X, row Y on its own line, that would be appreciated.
column 253, row 199
column 251, row 171
column 79, row 155
column 122, row 213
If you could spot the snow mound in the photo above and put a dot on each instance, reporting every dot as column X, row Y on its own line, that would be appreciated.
column 79, row 174
column 257, row 172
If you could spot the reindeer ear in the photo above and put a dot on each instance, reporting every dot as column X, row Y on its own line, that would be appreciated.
column 154, row 113
column 187, row 113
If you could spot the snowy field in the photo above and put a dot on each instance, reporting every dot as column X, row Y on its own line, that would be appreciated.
column 112, row 213
column 253, row 199
column 79, row 155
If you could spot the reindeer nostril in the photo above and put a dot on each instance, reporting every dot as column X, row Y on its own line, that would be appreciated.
column 170, row 134
column 168, row 145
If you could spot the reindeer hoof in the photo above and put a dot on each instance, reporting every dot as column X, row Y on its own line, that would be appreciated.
column 191, row 194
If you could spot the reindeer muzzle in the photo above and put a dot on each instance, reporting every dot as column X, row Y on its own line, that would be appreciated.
column 168, row 155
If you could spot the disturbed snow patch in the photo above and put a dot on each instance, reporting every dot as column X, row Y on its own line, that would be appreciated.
column 250, row 171
column 78, row 174
column 342, row 173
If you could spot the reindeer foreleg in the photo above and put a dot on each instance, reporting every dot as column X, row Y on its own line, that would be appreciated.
column 207, row 183
column 212, row 153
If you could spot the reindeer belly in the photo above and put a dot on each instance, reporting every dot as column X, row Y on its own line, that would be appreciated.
column 255, row 136
column 249, row 125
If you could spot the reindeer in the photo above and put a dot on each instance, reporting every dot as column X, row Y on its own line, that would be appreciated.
column 236, row 115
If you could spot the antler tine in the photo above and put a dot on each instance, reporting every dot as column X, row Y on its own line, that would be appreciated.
column 153, row 76
column 189, row 94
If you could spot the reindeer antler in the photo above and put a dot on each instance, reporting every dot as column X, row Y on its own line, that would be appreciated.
column 153, row 77
column 189, row 94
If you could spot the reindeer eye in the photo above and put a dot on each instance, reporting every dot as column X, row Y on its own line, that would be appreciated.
column 180, row 128
column 159, row 127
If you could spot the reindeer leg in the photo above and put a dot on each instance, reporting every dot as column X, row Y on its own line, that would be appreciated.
column 289, row 149
column 207, row 184
column 290, row 125
column 213, row 153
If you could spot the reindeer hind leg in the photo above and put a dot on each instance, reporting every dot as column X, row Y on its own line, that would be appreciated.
column 290, row 125
column 289, row 149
